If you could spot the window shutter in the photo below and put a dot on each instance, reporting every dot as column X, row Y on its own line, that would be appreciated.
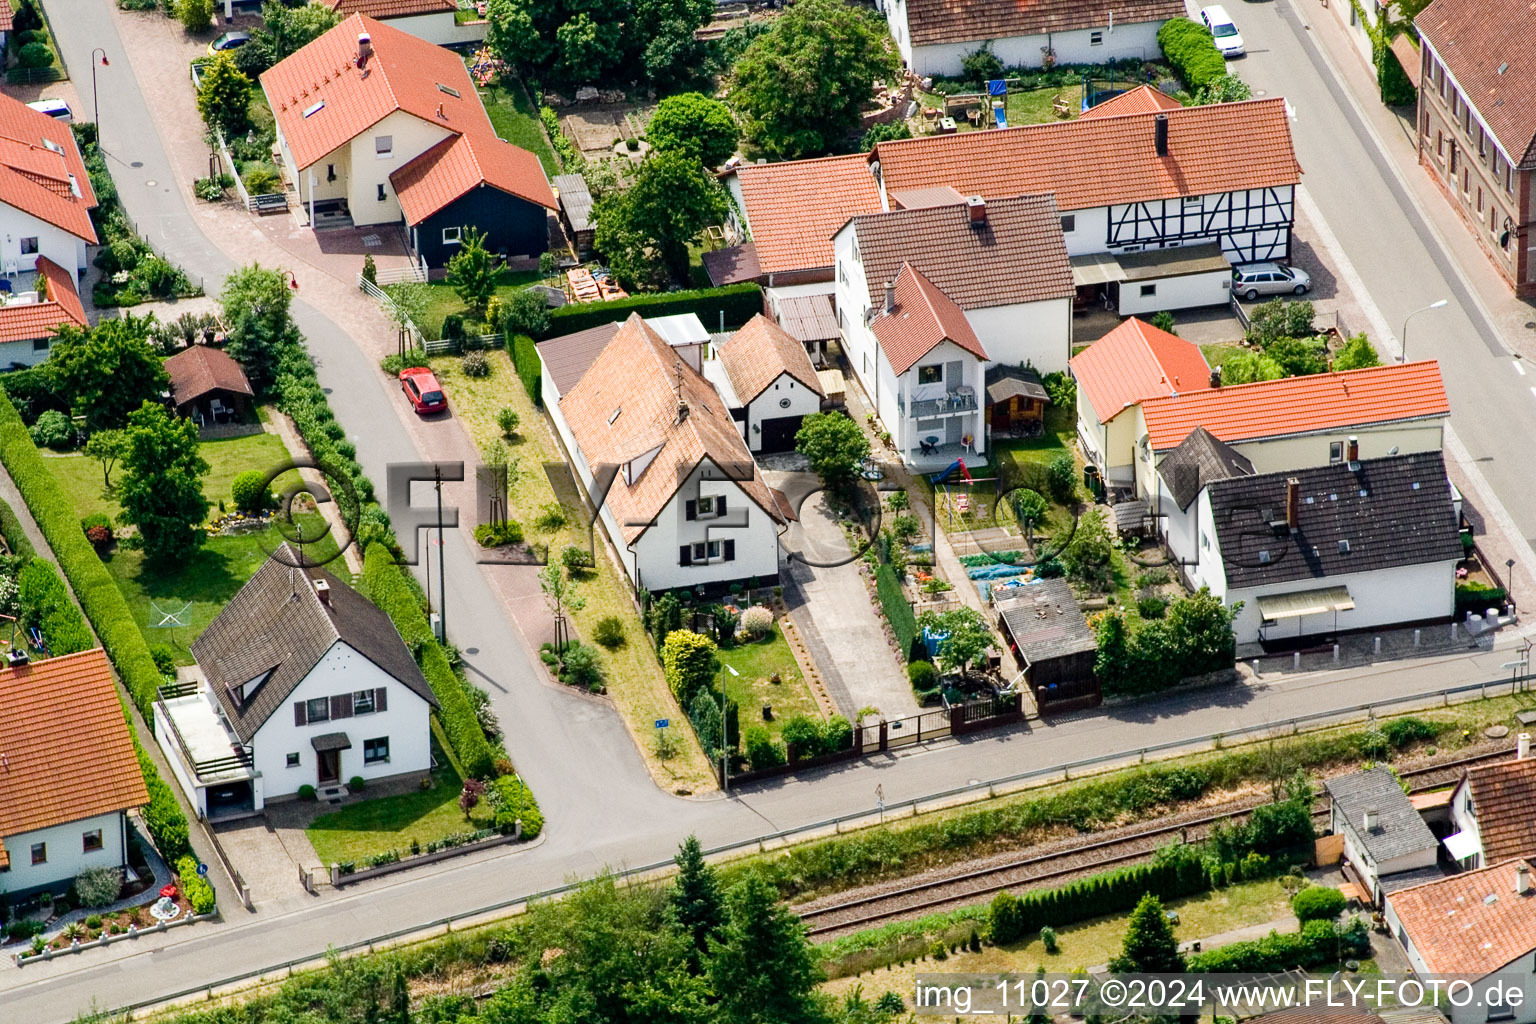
column 684, row 553
column 690, row 509
column 730, row 551
column 720, row 505
column 341, row 707
column 299, row 717
column 379, row 703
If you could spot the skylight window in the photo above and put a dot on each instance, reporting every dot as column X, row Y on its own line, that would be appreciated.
column 1344, row 547
column 314, row 108
column 53, row 147
column 614, row 415
column 448, row 89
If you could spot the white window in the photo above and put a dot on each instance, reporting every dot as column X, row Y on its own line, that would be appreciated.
column 452, row 236
column 384, row 146
column 293, row 760
column 376, row 751
column 1096, row 39
column 29, row 246
column 90, row 841
column 1336, row 451
column 362, row 702
column 932, row 374
column 706, row 551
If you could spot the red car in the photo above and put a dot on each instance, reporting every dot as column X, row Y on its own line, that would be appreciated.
column 422, row 388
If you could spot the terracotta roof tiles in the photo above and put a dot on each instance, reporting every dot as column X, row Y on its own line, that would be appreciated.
column 461, row 163
column 923, row 319
column 964, row 21
column 1489, row 47
column 759, row 353
column 1296, row 405
column 1504, row 799
column 64, row 714
column 1144, row 99
column 1471, row 923
column 41, row 170
column 33, row 320
column 794, row 208
column 391, row 8
column 1134, row 362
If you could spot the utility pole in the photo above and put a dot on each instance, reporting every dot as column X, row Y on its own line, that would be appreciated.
column 442, row 580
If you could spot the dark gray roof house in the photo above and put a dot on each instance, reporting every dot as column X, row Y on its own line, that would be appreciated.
column 1396, row 828
column 1200, row 459
column 278, row 628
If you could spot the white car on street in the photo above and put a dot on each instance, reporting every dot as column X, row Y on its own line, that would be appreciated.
column 1223, row 31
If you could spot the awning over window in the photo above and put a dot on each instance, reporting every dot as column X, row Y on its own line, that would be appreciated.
column 1273, row 607
column 1095, row 268
column 1462, row 845
column 331, row 741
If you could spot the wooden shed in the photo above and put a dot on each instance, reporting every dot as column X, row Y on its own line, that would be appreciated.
column 1053, row 643
column 576, row 210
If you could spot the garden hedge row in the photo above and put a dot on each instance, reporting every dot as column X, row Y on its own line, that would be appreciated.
column 30, row 392
column 93, row 585
column 1318, row 943
column 897, row 612
column 737, row 302
column 385, row 583
column 526, row 358
column 1192, row 52
column 45, row 604
column 194, row 886
column 15, row 537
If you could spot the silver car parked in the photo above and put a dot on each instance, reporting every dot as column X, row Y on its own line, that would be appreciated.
column 1257, row 279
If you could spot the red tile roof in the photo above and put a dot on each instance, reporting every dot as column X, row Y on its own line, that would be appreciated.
column 1143, row 99
column 759, row 353
column 33, row 320
column 626, row 406
column 1015, row 255
column 197, row 370
column 1098, row 161
column 794, row 208
column 923, row 319
column 1487, row 47
column 1457, row 929
column 6, row 14
column 409, row 74
column 1134, row 362
column 1296, row 405
column 391, row 8
column 966, row 21
column 63, row 715
column 1504, row 800
column 41, row 170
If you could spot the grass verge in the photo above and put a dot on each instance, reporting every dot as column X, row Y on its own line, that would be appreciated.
column 752, row 689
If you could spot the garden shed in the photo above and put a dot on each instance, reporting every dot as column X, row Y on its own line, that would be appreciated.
column 1054, row 645
column 208, row 386
column 576, row 210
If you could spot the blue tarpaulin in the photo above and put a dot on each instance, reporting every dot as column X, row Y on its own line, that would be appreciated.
column 997, row 87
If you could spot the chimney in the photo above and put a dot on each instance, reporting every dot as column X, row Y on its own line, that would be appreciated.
column 1162, row 135
column 1216, row 376
column 323, row 591
column 16, row 657
column 1522, row 746
column 890, row 297
column 1354, row 450
column 364, row 49
column 978, row 209
column 1523, row 878
column 682, row 410
column 1370, row 818
column 1293, row 503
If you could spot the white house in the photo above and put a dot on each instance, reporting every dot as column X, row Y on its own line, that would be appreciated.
column 377, row 126
column 768, row 384
column 1491, row 811
column 436, row 21
column 956, row 287
column 303, row 683
column 934, row 36
column 1480, row 926
column 656, row 449
column 1385, row 840
column 63, row 716
column 1326, row 549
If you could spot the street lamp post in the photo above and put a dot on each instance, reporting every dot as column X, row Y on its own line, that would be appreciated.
column 1410, row 316
column 95, row 106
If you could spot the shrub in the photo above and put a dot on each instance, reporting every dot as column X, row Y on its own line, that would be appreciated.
column 95, row 519
column 1318, row 943
column 165, row 658
column 1188, row 47
column 575, row 558
column 370, row 269
column 688, row 660
column 453, row 326
column 609, row 632
column 525, row 356
column 356, row 783
column 262, row 181
column 757, row 621
column 579, row 665
column 508, row 420
column 1318, row 903
column 1400, row 732
column 498, row 535
column 1151, row 606
column 763, row 751
column 194, row 887
column 897, row 612
column 98, row 887
column 1049, row 941
column 249, row 491
column 474, row 364
column 35, row 55
column 307, row 792
column 981, row 65
column 525, row 312
column 1061, row 478
column 738, row 302
column 1477, row 598
column 922, row 675
column 53, row 430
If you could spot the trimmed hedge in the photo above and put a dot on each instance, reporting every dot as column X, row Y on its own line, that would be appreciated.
column 1318, row 943
column 1478, row 598
column 1192, row 52
column 1011, row 917
column 194, row 886
column 45, row 604
column 738, row 302
column 526, row 358
column 94, row 587
column 386, row 585
column 15, row 537
column 897, row 612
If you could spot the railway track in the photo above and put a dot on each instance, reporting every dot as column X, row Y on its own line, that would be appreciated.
column 1085, row 858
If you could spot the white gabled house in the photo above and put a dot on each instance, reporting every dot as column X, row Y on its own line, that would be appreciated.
column 1490, row 810
column 768, row 383
column 658, row 452
column 304, row 682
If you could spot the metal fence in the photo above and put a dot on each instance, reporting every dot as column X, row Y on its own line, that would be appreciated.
column 382, row 297
column 968, row 793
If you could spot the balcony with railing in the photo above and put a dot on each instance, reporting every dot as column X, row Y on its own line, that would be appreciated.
column 208, row 749
column 945, row 403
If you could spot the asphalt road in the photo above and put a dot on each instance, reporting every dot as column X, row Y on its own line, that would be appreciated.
column 602, row 808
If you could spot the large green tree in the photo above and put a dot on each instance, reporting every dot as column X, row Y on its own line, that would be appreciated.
column 694, row 899
column 968, row 637
column 256, row 303
column 472, row 271
column 105, row 372
column 799, row 87
column 762, row 969
column 672, row 200
column 224, row 96
column 162, row 487
column 693, row 123
column 835, row 446
column 287, row 29
column 672, row 58
column 1149, row 946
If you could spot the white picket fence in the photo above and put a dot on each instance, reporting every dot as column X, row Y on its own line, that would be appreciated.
column 380, row 296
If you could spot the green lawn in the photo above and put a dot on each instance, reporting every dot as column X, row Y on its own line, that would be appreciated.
column 442, row 300
column 1036, row 105
column 360, row 830
column 756, row 663
column 516, row 120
